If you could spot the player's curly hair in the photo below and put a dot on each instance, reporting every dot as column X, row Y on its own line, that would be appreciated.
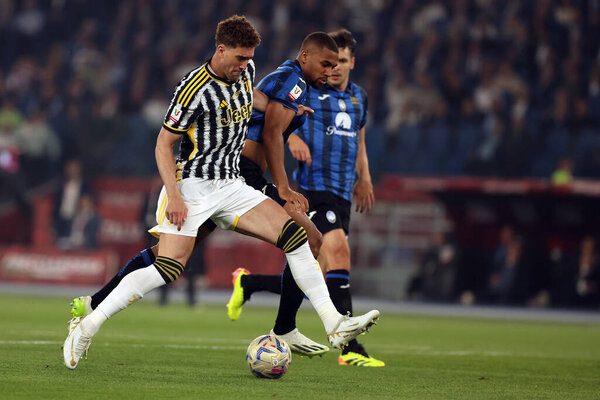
column 237, row 31
column 343, row 38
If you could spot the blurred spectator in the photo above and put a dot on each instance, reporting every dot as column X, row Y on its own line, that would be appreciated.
column 39, row 147
column 66, row 201
column 587, row 279
column 10, row 120
column 435, row 280
column 563, row 174
column 509, row 281
column 85, row 226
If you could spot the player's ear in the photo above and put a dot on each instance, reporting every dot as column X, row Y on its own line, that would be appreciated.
column 352, row 63
column 303, row 56
column 221, row 49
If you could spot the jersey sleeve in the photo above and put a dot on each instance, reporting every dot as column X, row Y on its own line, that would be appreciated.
column 183, row 109
column 286, row 88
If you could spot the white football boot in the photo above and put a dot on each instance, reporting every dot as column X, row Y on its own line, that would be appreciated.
column 349, row 328
column 76, row 344
column 301, row 344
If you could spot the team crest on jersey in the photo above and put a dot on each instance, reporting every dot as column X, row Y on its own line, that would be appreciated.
column 175, row 114
column 342, row 104
column 330, row 215
column 295, row 93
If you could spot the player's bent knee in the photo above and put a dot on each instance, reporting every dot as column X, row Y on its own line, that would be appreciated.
column 291, row 237
column 168, row 268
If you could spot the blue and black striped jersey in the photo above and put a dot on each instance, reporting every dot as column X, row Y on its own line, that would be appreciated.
column 285, row 85
column 332, row 135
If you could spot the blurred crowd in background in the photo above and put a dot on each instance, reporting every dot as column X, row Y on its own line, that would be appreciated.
column 457, row 87
column 514, row 273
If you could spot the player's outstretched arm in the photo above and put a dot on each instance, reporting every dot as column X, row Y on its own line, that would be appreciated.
column 277, row 118
column 299, row 149
column 176, row 211
column 363, row 188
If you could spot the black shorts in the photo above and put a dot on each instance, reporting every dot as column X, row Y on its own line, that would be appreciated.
column 253, row 176
column 328, row 211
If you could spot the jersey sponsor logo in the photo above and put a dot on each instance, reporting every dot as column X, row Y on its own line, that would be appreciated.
column 323, row 96
column 295, row 93
column 330, row 215
column 175, row 114
column 236, row 116
column 343, row 124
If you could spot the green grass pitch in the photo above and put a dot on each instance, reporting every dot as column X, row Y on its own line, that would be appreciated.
column 174, row 352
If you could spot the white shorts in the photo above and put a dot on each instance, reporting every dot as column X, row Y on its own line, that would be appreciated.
column 223, row 201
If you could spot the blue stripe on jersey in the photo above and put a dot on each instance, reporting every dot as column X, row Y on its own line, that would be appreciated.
column 332, row 135
column 286, row 86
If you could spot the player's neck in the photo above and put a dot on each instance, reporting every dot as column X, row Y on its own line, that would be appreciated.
column 214, row 67
column 342, row 86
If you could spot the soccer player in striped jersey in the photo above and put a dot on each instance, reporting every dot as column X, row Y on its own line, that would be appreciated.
column 285, row 87
column 330, row 146
column 211, row 108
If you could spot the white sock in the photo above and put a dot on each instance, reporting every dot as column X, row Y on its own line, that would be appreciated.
column 92, row 323
column 131, row 289
column 309, row 278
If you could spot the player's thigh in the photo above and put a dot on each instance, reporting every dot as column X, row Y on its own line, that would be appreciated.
column 335, row 251
column 176, row 247
column 264, row 221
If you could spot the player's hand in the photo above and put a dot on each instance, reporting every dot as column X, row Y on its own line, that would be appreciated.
column 295, row 200
column 364, row 196
column 176, row 211
column 302, row 109
column 299, row 149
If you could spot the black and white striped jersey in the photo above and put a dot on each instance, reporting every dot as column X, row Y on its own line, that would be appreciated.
column 212, row 115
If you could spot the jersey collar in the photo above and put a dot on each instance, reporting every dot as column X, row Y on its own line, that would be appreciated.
column 212, row 74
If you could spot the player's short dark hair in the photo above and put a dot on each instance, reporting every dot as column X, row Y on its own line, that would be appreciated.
column 343, row 38
column 319, row 39
column 237, row 31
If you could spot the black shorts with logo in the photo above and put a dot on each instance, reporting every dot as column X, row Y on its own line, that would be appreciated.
column 328, row 211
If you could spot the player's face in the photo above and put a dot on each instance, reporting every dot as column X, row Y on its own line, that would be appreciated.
column 341, row 73
column 317, row 65
column 235, row 60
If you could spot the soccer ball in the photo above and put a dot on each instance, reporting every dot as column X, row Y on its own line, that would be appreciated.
column 268, row 357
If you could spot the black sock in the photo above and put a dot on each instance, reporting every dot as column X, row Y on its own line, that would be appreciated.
column 140, row 260
column 289, row 303
column 258, row 283
column 338, row 283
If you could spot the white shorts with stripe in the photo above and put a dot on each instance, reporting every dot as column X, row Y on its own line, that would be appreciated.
column 223, row 201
